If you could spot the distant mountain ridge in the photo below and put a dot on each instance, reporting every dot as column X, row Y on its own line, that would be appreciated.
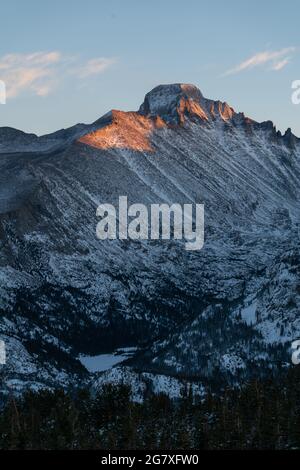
column 171, row 103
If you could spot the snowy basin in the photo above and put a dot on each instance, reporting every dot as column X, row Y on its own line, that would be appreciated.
column 106, row 361
column 101, row 362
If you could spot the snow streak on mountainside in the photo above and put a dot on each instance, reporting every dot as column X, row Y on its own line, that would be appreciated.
column 219, row 315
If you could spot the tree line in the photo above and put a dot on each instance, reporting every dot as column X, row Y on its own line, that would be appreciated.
column 259, row 415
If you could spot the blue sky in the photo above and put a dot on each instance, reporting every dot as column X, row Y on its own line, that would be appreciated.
column 71, row 61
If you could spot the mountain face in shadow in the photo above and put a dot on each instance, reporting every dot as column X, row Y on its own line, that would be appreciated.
column 216, row 316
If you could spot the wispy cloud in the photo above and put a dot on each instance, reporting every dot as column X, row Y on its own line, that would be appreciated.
column 277, row 59
column 40, row 73
column 95, row 66
column 32, row 72
column 281, row 64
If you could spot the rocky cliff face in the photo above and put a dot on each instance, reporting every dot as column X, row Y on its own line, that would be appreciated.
column 223, row 314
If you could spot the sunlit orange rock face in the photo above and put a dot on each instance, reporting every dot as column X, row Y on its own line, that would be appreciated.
column 127, row 130
column 165, row 106
column 191, row 107
column 221, row 109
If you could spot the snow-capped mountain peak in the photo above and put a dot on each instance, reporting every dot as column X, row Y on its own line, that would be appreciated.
column 176, row 101
column 229, row 311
